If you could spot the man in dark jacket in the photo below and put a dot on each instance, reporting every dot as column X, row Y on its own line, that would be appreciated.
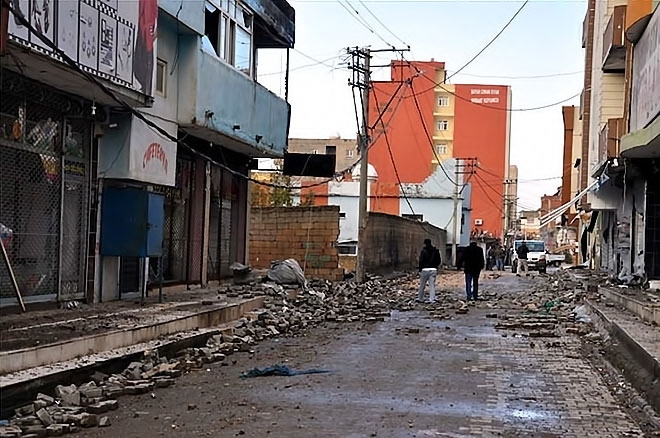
column 473, row 263
column 523, row 252
column 429, row 260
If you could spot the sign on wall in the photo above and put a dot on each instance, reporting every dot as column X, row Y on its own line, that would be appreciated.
column 645, row 104
column 115, row 40
column 152, row 157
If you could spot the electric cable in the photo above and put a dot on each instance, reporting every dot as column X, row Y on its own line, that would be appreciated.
column 490, row 42
column 428, row 136
column 364, row 5
column 356, row 15
column 389, row 150
column 153, row 126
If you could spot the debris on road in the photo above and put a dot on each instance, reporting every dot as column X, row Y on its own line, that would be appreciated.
column 544, row 312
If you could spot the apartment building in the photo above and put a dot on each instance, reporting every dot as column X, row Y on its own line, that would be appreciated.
column 77, row 156
column 465, row 122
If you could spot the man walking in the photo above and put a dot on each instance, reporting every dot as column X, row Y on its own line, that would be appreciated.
column 523, row 251
column 429, row 260
column 499, row 257
column 473, row 263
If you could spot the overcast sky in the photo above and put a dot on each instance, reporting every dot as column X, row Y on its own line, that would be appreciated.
column 544, row 40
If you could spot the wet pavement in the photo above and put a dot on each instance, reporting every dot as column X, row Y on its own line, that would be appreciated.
column 410, row 376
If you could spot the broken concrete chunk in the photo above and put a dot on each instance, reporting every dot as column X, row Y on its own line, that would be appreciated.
column 69, row 395
column 103, row 407
column 57, row 429
column 45, row 417
column 104, row 422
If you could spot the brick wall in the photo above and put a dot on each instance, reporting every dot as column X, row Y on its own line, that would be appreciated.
column 307, row 234
column 395, row 243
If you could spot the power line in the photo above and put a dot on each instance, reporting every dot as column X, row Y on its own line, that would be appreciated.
column 550, row 75
column 495, row 204
column 490, row 42
column 428, row 136
column 153, row 126
column 356, row 16
column 389, row 150
column 300, row 67
column 364, row 5
column 458, row 96
column 440, row 85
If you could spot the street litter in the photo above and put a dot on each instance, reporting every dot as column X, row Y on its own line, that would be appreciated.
column 287, row 272
column 279, row 370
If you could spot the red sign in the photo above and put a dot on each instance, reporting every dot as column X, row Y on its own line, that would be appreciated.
column 155, row 151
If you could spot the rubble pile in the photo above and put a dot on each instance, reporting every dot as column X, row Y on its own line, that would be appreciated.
column 287, row 311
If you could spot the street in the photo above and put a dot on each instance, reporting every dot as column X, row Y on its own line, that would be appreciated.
column 410, row 376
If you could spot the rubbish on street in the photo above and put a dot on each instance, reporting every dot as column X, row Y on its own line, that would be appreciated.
column 279, row 370
column 287, row 272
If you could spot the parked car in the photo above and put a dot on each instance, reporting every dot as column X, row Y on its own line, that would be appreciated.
column 536, row 259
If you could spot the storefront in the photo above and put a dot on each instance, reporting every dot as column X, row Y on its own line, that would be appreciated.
column 45, row 142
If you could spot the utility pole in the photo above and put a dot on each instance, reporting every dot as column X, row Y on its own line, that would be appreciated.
column 361, row 68
column 361, row 79
column 454, row 240
column 464, row 166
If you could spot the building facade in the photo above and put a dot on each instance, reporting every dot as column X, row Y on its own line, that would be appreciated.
column 429, row 122
column 619, row 114
column 345, row 149
column 164, row 127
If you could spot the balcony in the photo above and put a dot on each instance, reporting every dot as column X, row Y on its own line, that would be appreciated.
column 638, row 15
column 610, row 138
column 614, row 42
column 225, row 106
column 643, row 143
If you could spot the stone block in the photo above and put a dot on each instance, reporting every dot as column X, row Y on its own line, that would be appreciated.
column 45, row 417
column 69, row 395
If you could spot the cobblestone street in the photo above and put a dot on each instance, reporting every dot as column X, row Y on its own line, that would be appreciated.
column 410, row 376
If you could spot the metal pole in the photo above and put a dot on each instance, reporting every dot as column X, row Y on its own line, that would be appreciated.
column 364, row 169
column 160, row 279
column 454, row 239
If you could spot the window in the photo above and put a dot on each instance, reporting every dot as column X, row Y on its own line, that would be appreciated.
column 441, row 149
column 349, row 153
column 342, row 215
column 443, row 101
column 331, row 150
column 443, row 125
column 415, row 217
column 229, row 29
column 161, row 77
column 347, row 249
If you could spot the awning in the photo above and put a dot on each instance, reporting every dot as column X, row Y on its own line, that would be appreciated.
column 546, row 219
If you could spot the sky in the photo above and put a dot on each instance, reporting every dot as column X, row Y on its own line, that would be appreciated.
column 544, row 40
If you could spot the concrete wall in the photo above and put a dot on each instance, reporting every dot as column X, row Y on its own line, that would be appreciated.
column 307, row 234
column 393, row 242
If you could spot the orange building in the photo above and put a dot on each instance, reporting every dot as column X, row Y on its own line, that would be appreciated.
column 461, row 121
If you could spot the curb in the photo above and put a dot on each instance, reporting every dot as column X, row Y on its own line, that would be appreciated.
column 638, row 358
column 27, row 358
